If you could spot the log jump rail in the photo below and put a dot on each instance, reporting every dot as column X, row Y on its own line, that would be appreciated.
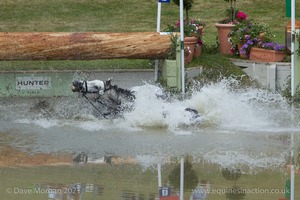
column 82, row 45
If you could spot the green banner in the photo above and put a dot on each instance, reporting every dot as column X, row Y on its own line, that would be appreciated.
column 41, row 84
column 288, row 8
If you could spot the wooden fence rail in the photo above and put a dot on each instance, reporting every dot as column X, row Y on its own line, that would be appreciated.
column 82, row 45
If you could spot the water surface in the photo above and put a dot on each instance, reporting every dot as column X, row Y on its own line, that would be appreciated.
column 248, row 130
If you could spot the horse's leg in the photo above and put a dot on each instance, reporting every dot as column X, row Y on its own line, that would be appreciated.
column 193, row 111
column 96, row 97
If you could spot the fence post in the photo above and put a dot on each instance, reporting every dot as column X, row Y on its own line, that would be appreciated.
column 178, row 65
column 296, row 62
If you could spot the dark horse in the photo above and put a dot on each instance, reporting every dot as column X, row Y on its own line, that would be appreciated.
column 111, row 99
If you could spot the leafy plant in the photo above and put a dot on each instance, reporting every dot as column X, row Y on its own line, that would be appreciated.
column 187, row 5
column 233, row 15
column 248, row 34
column 198, row 22
column 231, row 11
column 240, row 31
column 192, row 29
column 287, row 92
column 173, row 48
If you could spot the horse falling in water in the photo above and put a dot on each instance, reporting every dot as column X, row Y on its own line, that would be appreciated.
column 111, row 99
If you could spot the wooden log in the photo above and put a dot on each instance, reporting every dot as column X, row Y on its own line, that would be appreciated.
column 82, row 46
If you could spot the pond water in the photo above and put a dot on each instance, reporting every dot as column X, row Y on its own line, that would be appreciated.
column 56, row 148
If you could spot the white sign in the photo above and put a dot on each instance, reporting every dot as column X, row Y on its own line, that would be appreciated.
column 33, row 83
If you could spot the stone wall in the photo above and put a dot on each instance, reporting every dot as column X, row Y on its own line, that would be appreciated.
column 273, row 76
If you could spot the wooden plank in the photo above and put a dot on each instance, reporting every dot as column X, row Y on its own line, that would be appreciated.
column 82, row 45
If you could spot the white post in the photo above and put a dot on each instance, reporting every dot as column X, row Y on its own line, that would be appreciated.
column 293, row 34
column 157, row 30
column 293, row 47
column 292, row 192
column 182, row 47
column 158, row 16
column 181, row 178
column 159, row 175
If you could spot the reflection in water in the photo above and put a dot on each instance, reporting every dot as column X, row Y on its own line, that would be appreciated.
column 190, row 176
column 81, row 158
column 131, row 195
column 232, row 174
column 235, row 193
column 127, row 181
column 201, row 191
column 68, row 192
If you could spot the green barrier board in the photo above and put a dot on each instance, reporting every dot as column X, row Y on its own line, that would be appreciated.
column 41, row 84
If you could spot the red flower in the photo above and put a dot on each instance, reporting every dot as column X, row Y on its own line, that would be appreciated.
column 241, row 15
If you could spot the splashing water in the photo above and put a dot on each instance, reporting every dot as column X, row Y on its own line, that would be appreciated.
column 244, row 109
column 218, row 105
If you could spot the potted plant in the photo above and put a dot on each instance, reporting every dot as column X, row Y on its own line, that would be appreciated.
column 256, row 42
column 192, row 36
column 224, row 27
column 268, row 52
column 187, row 5
column 199, row 28
column 246, row 34
column 193, row 42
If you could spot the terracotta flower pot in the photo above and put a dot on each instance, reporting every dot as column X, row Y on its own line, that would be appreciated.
column 198, row 51
column 266, row 55
column 223, row 31
column 190, row 42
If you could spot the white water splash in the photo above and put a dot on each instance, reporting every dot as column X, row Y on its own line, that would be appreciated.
column 218, row 105
column 43, row 122
column 235, row 159
column 88, row 123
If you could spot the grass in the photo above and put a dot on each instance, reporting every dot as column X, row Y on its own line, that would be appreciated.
column 219, row 64
column 104, row 64
column 128, row 16
column 122, row 16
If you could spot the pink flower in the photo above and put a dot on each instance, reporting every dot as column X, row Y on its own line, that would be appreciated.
column 241, row 15
column 177, row 24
